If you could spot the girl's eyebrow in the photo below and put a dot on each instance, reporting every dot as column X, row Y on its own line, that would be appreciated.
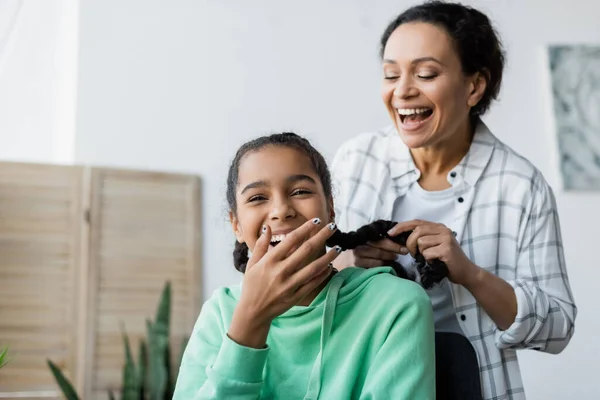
column 300, row 177
column 290, row 179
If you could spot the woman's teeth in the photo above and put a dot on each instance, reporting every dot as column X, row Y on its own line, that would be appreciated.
column 414, row 115
column 412, row 111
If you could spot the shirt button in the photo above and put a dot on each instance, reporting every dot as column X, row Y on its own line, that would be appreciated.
column 454, row 233
column 453, row 174
column 460, row 199
column 463, row 317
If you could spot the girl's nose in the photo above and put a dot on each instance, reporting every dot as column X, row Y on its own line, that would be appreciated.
column 282, row 210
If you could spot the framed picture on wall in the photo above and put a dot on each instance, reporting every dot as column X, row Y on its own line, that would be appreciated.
column 575, row 77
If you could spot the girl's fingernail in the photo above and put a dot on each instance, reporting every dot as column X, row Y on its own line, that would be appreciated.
column 316, row 221
column 331, row 226
column 403, row 250
column 338, row 249
column 264, row 229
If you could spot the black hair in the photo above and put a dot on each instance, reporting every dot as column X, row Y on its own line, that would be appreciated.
column 475, row 39
column 429, row 272
column 285, row 139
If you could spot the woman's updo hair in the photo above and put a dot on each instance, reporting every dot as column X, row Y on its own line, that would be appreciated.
column 475, row 39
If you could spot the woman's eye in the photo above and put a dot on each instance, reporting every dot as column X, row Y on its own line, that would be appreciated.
column 427, row 77
column 390, row 78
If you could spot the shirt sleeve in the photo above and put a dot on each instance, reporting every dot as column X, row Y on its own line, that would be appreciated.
column 215, row 367
column 546, row 308
column 344, row 185
column 404, row 367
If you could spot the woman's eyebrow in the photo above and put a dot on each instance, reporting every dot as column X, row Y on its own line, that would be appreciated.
column 415, row 61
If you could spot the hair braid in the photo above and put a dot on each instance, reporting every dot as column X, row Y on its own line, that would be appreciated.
column 430, row 273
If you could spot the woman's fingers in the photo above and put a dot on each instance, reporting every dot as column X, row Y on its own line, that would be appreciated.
column 372, row 250
column 432, row 253
column 421, row 231
column 425, row 242
column 404, row 227
column 260, row 248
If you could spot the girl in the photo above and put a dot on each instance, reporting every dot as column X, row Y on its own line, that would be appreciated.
column 296, row 328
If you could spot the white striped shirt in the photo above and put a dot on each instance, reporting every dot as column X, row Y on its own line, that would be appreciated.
column 506, row 222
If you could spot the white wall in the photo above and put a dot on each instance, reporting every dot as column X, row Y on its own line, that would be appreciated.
column 38, row 60
column 179, row 85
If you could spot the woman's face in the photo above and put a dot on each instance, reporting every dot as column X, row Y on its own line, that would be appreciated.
column 424, row 89
column 278, row 187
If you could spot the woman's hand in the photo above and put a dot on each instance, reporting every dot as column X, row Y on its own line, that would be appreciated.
column 376, row 254
column 277, row 280
column 437, row 241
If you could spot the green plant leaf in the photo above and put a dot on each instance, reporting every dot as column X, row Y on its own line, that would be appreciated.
column 131, row 384
column 64, row 384
column 164, row 310
column 3, row 357
column 158, row 348
column 142, row 367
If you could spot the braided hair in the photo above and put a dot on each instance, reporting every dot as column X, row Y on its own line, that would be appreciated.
column 430, row 272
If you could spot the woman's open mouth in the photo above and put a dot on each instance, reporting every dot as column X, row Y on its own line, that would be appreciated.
column 413, row 118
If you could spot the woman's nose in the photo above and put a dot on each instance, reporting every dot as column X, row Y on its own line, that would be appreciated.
column 405, row 88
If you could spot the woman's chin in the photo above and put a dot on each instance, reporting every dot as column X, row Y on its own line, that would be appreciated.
column 413, row 141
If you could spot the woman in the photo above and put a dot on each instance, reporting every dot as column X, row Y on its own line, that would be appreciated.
column 469, row 200
column 296, row 328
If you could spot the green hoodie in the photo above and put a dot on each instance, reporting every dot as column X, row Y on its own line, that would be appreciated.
column 367, row 335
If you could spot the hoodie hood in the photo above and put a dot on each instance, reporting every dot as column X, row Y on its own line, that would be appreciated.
column 341, row 288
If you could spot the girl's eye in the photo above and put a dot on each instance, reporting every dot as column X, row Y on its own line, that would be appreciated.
column 258, row 197
column 300, row 192
column 390, row 78
column 427, row 77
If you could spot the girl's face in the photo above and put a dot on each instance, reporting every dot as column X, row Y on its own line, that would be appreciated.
column 424, row 89
column 277, row 186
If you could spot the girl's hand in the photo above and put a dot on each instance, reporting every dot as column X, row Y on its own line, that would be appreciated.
column 276, row 281
column 437, row 241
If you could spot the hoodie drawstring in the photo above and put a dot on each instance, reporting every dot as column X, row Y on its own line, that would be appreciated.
column 314, row 383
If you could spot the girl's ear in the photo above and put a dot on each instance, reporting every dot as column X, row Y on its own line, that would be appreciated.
column 235, row 226
column 331, row 209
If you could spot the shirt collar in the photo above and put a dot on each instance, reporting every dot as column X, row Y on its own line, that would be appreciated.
column 470, row 168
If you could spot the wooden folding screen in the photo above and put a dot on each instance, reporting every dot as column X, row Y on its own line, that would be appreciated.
column 40, row 230
column 83, row 253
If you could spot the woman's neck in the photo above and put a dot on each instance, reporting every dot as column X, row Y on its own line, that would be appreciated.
column 437, row 160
